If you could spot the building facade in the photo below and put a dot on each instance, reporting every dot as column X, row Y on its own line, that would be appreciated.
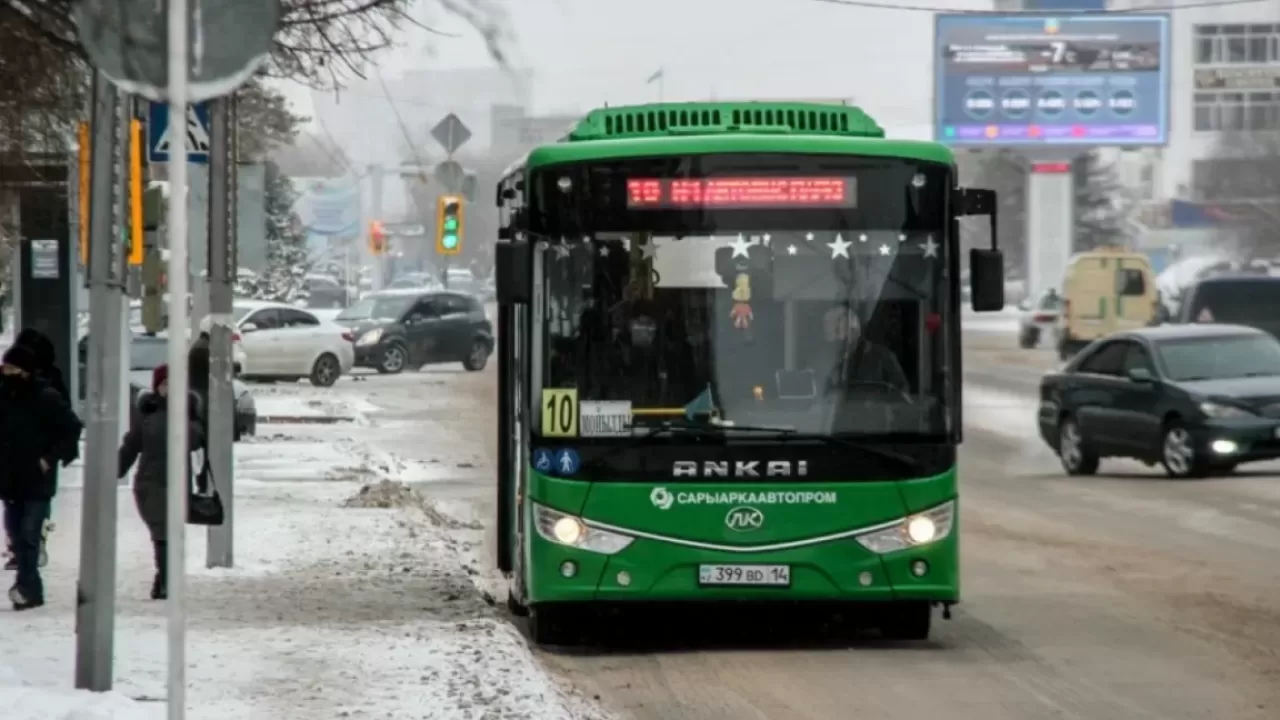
column 1224, row 140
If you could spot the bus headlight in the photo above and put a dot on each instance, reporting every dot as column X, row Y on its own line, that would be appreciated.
column 564, row 529
column 915, row 530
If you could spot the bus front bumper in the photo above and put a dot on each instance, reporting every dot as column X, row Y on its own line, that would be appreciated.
column 658, row 570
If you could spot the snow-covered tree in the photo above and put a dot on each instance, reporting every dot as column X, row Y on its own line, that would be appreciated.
column 287, row 257
column 1005, row 172
column 1101, row 203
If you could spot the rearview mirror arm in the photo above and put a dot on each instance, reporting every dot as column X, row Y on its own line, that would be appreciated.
column 980, row 202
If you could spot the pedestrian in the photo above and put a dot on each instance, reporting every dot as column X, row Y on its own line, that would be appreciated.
column 37, row 432
column 46, row 356
column 147, row 444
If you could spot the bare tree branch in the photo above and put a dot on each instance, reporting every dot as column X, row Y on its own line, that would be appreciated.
column 321, row 43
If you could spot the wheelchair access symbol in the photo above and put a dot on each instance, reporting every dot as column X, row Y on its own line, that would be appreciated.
column 543, row 460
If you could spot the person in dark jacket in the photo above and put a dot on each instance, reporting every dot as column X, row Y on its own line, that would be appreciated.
column 42, row 346
column 37, row 431
column 147, row 444
column 47, row 356
column 861, row 361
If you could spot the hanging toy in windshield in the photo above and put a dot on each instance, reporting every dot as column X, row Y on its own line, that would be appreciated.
column 741, row 313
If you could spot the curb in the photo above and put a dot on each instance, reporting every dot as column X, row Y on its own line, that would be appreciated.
column 304, row 419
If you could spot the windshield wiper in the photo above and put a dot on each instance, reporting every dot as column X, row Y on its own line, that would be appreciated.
column 869, row 448
column 780, row 432
column 708, row 429
column 701, row 430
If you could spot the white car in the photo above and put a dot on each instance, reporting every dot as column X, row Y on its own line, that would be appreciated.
column 134, row 322
column 283, row 341
column 1039, row 318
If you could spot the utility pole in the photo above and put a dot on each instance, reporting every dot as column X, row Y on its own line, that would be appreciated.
column 95, row 597
column 222, row 268
column 178, row 47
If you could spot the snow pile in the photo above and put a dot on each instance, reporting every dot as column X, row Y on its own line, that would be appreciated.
column 385, row 494
column 329, row 612
column 22, row 702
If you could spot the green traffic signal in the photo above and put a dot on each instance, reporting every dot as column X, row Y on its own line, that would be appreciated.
column 450, row 241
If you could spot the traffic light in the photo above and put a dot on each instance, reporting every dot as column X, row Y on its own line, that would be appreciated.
column 449, row 224
column 377, row 238
column 153, row 289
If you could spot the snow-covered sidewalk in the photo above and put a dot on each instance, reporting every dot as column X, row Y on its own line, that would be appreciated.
column 342, row 604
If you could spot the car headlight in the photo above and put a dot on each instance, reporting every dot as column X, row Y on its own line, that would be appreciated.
column 564, row 529
column 371, row 337
column 1219, row 411
column 911, row 531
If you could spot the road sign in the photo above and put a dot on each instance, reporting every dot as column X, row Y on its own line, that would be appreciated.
column 128, row 41
column 158, row 129
column 451, row 133
column 449, row 174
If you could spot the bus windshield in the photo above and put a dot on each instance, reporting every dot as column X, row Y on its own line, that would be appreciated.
column 808, row 329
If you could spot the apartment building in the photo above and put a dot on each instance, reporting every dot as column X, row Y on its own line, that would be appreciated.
column 1224, row 115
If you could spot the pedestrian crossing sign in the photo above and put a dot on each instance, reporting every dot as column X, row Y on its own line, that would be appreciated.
column 159, row 129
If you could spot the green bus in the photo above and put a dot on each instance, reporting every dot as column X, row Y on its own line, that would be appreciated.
column 729, row 364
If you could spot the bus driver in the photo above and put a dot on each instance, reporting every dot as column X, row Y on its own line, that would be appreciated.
column 861, row 360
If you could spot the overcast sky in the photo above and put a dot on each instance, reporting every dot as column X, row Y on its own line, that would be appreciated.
column 588, row 52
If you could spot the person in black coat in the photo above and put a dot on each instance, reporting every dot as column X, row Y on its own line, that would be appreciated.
column 147, row 444
column 47, row 358
column 37, row 432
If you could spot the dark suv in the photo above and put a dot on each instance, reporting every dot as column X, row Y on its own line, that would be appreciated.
column 1240, row 299
column 399, row 329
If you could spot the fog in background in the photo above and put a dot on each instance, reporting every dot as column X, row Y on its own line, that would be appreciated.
column 584, row 53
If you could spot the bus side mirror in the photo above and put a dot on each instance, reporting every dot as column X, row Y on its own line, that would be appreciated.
column 513, row 274
column 986, row 279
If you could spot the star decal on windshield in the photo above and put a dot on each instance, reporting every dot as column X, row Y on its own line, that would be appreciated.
column 741, row 248
column 839, row 247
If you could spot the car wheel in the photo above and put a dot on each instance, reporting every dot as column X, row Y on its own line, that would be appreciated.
column 394, row 359
column 1075, row 454
column 478, row 357
column 326, row 371
column 911, row 621
column 1178, row 453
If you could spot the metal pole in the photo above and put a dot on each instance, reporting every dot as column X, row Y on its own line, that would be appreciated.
column 95, row 611
column 178, row 381
column 221, row 428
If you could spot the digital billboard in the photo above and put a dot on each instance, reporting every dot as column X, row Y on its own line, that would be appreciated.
column 1072, row 79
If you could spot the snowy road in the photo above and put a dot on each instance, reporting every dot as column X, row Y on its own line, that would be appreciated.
column 1121, row 597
